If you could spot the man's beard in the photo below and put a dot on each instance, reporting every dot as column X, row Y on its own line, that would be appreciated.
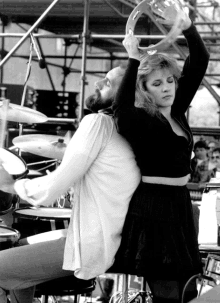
column 96, row 103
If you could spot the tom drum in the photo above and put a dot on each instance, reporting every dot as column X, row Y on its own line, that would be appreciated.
column 8, row 237
column 31, row 221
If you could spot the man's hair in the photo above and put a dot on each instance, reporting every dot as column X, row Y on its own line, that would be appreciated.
column 94, row 103
column 216, row 150
column 201, row 144
column 89, row 102
column 148, row 64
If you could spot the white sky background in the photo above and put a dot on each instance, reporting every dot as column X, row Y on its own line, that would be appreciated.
column 204, row 109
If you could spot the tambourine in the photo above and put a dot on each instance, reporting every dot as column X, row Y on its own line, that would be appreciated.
column 164, row 9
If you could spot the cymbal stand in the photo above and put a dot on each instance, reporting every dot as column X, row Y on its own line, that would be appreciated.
column 25, row 86
column 20, row 131
column 3, row 123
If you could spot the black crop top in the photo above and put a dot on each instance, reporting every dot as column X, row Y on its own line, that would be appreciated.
column 159, row 151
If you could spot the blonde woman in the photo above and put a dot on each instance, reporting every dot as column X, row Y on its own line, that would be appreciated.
column 159, row 240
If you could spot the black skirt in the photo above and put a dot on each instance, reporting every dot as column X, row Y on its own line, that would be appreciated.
column 159, row 239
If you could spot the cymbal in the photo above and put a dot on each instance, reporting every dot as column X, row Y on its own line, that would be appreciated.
column 49, row 146
column 22, row 114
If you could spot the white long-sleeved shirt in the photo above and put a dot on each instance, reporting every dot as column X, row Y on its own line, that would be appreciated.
column 101, row 166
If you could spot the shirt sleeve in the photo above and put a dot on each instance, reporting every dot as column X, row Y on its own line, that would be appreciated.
column 193, row 70
column 82, row 150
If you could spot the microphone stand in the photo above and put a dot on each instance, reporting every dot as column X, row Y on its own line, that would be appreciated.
column 38, row 52
column 36, row 24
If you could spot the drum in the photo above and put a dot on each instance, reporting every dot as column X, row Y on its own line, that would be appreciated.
column 16, row 167
column 13, row 164
column 32, row 221
column 8, row 237
column 195, row 191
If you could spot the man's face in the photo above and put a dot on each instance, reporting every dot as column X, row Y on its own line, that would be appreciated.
column 201, row 153
column 216, row 159
column 105, row 90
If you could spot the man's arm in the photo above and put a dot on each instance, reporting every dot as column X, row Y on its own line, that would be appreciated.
column 80, row 154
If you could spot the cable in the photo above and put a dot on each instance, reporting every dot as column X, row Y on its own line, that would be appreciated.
column 199, row 276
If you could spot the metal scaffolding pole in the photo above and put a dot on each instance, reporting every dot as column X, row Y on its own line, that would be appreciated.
column 84, row 54
column 207, row 36
column 2, row 51
column 36, row 24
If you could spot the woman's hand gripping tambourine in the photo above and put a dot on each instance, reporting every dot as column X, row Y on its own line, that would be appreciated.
column 169, row 12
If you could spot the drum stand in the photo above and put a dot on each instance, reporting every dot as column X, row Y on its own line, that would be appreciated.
column 131, row 296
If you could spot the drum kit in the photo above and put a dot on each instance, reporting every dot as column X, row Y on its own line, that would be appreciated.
column 42, row 219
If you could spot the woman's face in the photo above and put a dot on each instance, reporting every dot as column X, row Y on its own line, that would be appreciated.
column 161, row 85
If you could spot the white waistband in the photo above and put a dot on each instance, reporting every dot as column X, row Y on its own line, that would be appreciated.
column 166, row 181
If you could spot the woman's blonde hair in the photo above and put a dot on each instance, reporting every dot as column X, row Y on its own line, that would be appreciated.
column 149, row 63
